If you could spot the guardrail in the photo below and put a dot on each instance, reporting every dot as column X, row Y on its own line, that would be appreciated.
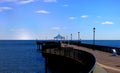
column 97, row 47
column 85, row 58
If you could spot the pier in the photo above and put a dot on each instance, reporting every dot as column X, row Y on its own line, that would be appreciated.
column 110, row 63
column 99, row 60
column 84, row 62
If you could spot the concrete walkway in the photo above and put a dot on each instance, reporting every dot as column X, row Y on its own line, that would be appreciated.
column 110, row 63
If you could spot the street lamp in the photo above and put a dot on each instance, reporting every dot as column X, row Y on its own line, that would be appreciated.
column 78, row 36
column 67, row 40
column 94, row 36
column 71, row 36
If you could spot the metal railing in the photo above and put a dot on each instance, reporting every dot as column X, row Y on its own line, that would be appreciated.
column 97, row 47
column 80, row 56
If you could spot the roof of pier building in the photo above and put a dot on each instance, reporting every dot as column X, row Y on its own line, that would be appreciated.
column 59, row 37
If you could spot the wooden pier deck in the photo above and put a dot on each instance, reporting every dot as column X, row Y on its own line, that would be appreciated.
column 110, row 63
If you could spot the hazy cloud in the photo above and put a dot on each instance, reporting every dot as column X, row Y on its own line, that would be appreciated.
column 5, row 8
column 25, row 1
column 84, row 16
column 43, row 12
column 56, row 28
column 72, row 18
column 18, row 1
column 98, row 16
column 8, row 0
column 22, row 34
column 65, row 5
column 49, row 0
column 107, row 22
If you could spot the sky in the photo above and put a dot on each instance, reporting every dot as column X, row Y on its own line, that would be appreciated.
column 44, row 19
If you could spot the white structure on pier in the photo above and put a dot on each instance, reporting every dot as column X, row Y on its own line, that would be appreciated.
column 59, row 37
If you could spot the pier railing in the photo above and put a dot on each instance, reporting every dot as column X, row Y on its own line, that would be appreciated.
column 85, row 58
column 96, row 47
column 102, row 48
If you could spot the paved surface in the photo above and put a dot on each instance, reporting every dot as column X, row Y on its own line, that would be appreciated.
column 105, row 60
column 99, row 69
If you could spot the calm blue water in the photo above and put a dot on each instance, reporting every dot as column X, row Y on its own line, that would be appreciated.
column 20, row 57
column 112, row 43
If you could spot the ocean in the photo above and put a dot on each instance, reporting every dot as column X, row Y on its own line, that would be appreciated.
column 21, row 56
column 111, row 43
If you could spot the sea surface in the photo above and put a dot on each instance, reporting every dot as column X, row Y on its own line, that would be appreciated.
column 112, row 43
column 21, row 56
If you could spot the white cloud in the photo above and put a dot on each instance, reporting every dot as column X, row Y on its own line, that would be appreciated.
column 43, row 12
column 84, row 16
column 72, row 18
column 107, row 22
column 18, row 1
column 49, row 1
column 5, row 8
column 25, row 1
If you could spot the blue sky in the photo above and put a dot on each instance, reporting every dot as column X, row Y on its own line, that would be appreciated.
column 44, row 19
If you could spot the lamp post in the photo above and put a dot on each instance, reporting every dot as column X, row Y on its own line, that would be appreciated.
column 94, row 36
column 78, row 36
column 67, row 40
column 71, row 36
